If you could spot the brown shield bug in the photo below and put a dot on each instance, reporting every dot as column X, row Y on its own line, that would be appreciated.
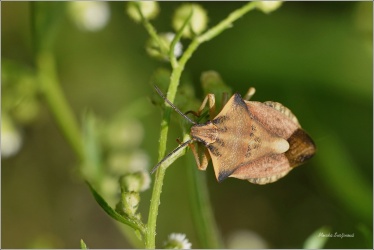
column 248, row 140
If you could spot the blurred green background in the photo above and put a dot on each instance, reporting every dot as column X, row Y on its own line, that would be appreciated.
column 314, row 57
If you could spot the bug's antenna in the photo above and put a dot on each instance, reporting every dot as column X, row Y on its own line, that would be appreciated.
column 172, row 105
column 170, row 154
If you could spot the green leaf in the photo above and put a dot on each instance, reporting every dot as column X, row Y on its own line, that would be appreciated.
column 317, row 239
column 342, row 177
column 134, row 223
column 83, row 245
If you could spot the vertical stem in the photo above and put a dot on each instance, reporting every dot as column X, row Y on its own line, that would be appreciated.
column 157, row 188
column 160, row 174
column 56, row 101
column 174, row 82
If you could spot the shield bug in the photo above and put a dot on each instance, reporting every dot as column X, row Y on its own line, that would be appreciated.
column 248, row 140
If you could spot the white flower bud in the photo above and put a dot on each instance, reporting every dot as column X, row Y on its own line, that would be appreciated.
column 268, row 6
column 149, row 9
column 89, row 15
column 198, row 22
column 131, row 182
column 11, row 139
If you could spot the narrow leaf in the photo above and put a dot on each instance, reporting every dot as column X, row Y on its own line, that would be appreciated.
column 136, row 224
column 83, row 245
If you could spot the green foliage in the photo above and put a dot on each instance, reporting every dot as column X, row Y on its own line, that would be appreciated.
column 347, row 184
column 83, row 245
column 288, row 55
column 134, row 223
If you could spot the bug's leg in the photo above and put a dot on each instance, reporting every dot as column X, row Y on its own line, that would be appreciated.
column 251, row 91
column 192, row 112
column 205, row 159
column 203, row 164
column 212, row 105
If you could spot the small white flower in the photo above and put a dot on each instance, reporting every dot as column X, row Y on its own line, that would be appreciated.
column 89, row 15
column 268, row 6
column 198, row 22
column 11, row 139
column 177, row 241
column 149, row 9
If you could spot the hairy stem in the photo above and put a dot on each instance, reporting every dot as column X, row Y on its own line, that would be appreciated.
column 178, row 68
column 160, row 174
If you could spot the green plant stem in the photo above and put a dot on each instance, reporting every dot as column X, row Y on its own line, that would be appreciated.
column 177, row 37
column 174, row 82
column 227, row 22
column 56, row 101
column 151, row 30
column 160, row 174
